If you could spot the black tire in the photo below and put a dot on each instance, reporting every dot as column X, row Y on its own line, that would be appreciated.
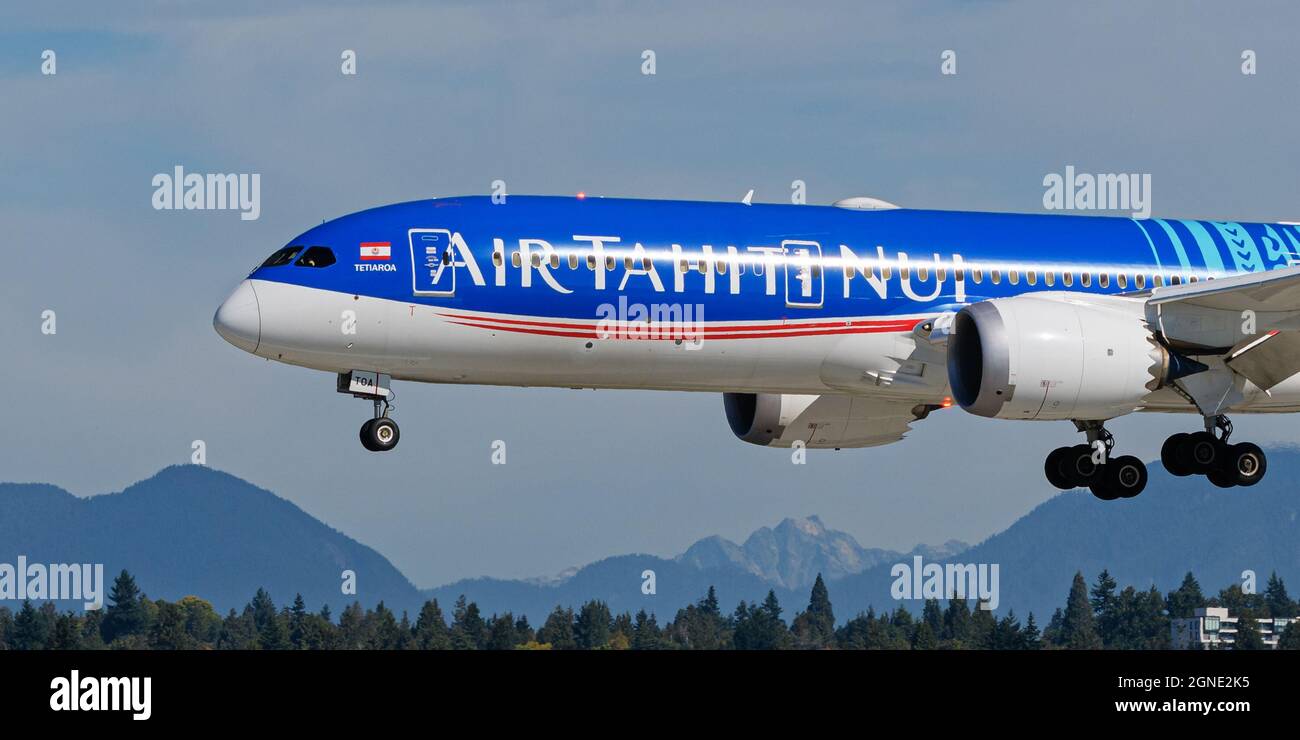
column 1245, row 464
column 1221, row 479
column 1202, row 453
column 1055, row 469
column 1170, row 454
column 1125, row 476
column 383, row 434
column 1102, row 490
column 1079, row 467
column 365, row 435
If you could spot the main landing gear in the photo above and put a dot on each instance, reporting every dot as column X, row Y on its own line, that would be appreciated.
column 1091, row 466
column 1208, row 453
column 379, row 434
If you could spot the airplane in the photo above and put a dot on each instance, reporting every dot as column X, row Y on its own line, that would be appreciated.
column 833, row 326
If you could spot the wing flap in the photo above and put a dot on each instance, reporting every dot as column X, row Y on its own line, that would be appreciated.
column 1268, row 360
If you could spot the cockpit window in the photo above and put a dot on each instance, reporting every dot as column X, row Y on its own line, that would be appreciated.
column 282, row 257
column 316, row 257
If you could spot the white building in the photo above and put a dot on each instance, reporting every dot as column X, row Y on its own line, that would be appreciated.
column 1212, row 629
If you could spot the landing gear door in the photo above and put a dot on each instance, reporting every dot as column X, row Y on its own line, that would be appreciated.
column 433, row 262
column 804, row 283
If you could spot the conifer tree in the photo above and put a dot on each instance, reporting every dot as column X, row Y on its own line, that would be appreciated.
column 271, row 631
column 592, row 627
column 1078, row 628
column 1186, row 599
column 1030, row 636
column 924, row 637
column 1248, row 636
column 126, row 613
column 1290, row 639
column 557, row 631
column 1276, row 599
column 815, row 628
column 646, row 634
column 431, row 631
column 31, row 628
column 501, row 632
column 468, row 630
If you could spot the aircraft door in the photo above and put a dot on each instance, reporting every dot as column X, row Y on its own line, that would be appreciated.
column 804, row 282
column 433, row 262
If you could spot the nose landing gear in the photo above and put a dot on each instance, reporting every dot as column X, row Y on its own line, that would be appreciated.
column 1208, row 453
column 1091, row 466
column 379, row 434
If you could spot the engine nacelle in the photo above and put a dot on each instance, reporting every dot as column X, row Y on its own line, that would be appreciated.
column 819, row 422
column 1054, row 356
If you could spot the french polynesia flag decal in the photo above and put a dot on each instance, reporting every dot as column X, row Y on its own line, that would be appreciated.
column 376, row 250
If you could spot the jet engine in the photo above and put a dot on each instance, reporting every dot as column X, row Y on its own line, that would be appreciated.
column 1057, row 356
column 825, row 421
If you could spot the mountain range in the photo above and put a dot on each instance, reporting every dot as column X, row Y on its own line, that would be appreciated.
column 193, row 530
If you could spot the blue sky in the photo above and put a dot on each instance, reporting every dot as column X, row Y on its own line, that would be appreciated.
column 449, row 97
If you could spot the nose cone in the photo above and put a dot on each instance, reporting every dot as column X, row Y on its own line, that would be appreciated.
column 239, row 320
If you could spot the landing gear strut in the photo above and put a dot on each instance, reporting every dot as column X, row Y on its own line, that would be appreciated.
column 1208, row 453
column 379, row 434
column 1091, row 466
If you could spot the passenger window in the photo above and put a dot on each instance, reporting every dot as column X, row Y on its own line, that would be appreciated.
column 627, row 263
column 1104, row 280
column 1031, row 277
column 591, row 262
column 1049, row 278
column 496, row 257
column 722, row 267
column 1086, row 279
column 1067, row 278
column 573, row 262
column 1140, row 281
column 942, row 274
column 996, row 276
column 922, row 274
column 1013, row 277
column 514, row 259
column 316, row 257
column 609, row 262
column 1122, row 279
column 282, row 257
column 978, row 274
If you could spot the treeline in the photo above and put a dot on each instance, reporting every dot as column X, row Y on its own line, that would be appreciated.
column 1098, row 617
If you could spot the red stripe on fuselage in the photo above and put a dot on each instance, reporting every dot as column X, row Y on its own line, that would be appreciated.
column 755, row 329
column 623, row 332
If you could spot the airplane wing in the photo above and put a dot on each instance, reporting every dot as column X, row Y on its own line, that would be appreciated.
column 1253, row 320
column 1274, row 290
column 834, row 421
